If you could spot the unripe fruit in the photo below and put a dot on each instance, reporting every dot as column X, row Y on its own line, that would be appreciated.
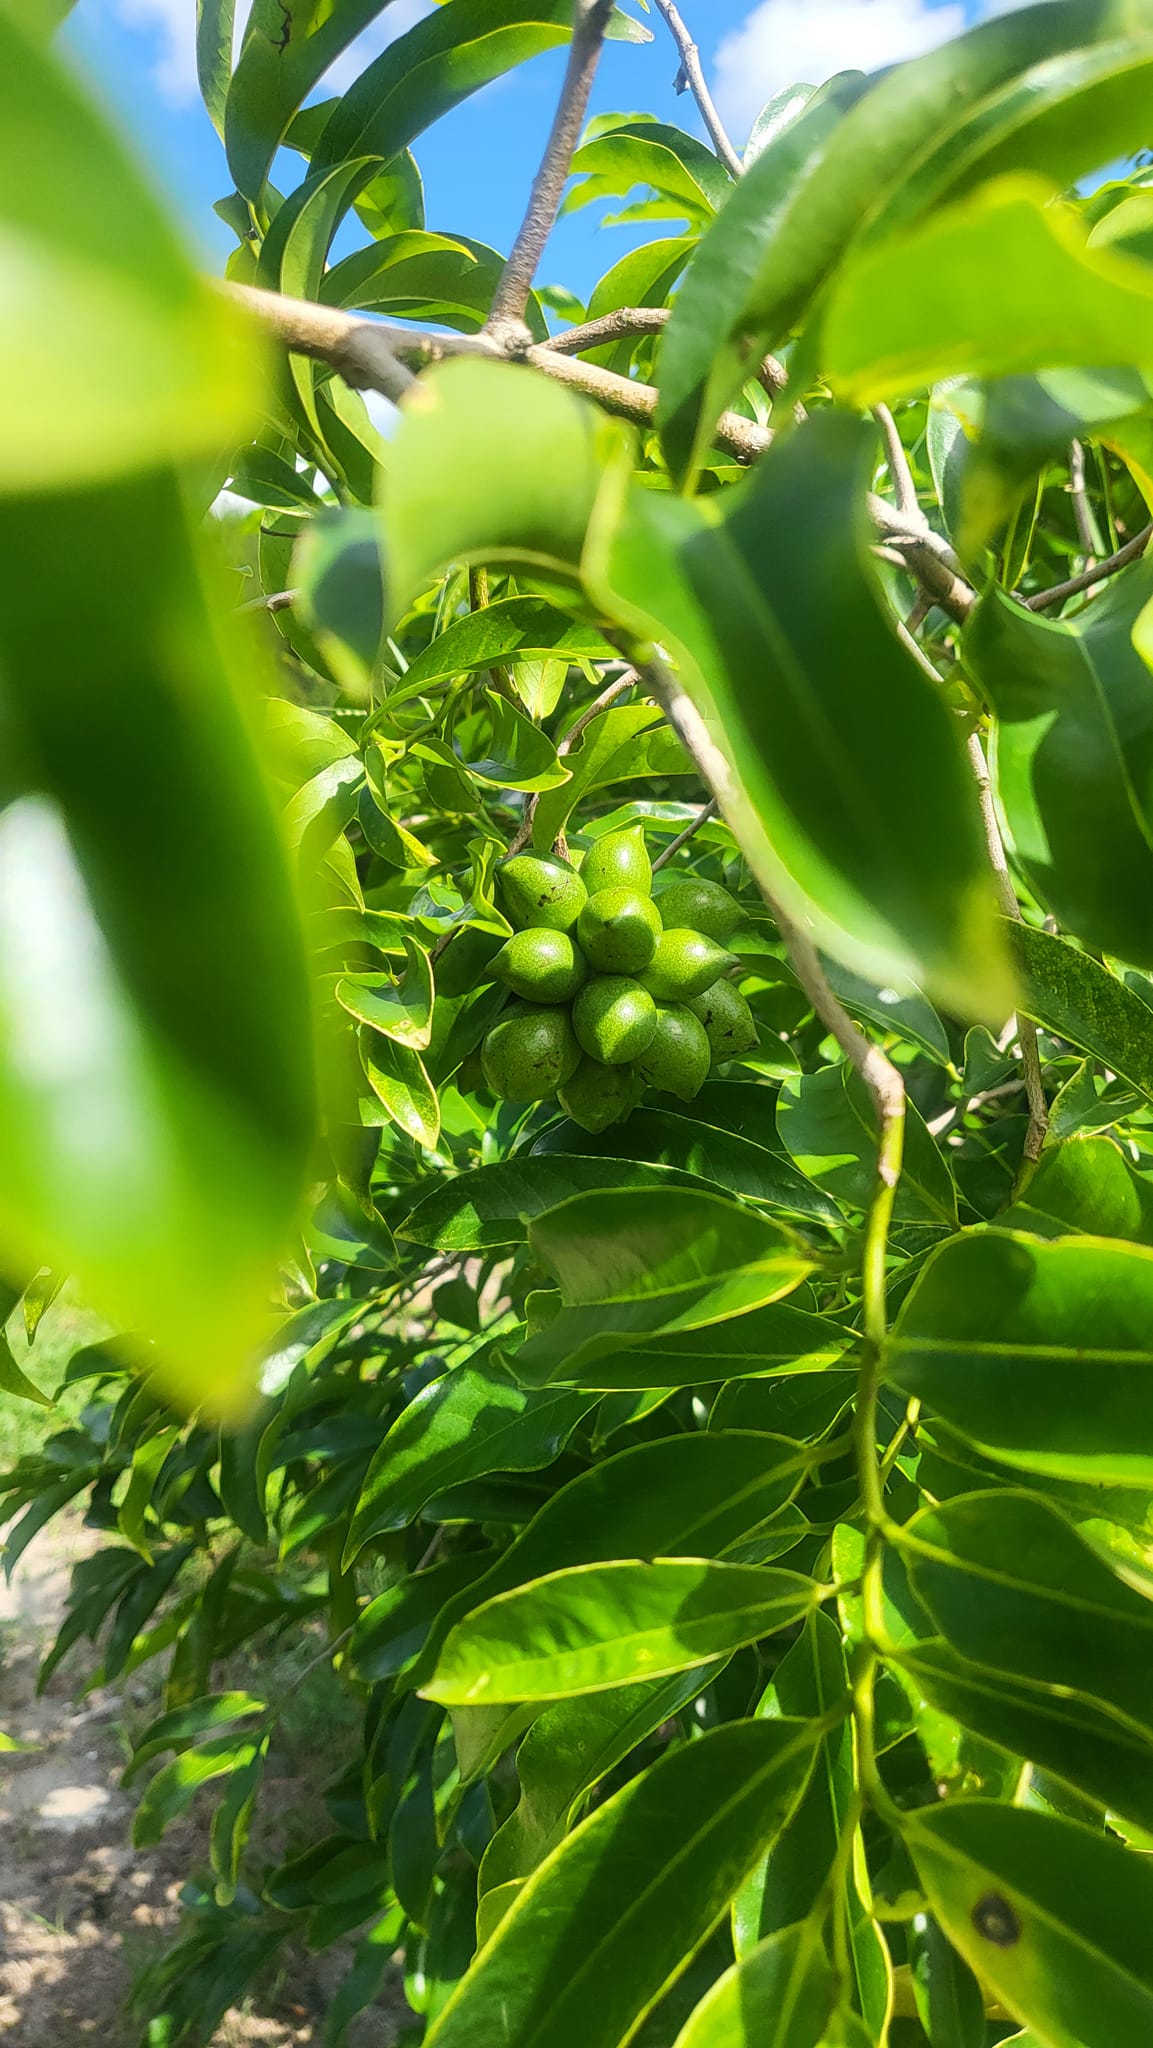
column 598, row 1096
column 702, row 906
column 618, row 931
column 728, row 1021
column 614, row 1019
column 541, row 965
column 685, row 964
column 541, row 889
column 677, row 1057
column 529, row 1054
column 619, row 861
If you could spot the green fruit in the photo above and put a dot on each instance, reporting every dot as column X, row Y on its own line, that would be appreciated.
column 685, row 964
column 529, row 1054
column 728, row 1021
column 598, row 1096
column 541, row 965
column 678, row 1056
column 614, row 1019
column 541, row 889
column 619, row 861
column 703, row 906
column 618, row 931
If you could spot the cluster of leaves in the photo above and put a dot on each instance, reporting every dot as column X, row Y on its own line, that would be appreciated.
column 742, row 1554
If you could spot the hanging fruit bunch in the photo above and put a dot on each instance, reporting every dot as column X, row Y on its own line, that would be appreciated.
column 619, row 990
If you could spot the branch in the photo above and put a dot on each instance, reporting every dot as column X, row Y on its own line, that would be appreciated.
column 1088, row 577
column 1038, row 1129
column 1089, row 538
column 511, row 296
column 369, row 354
column 692, row 76
column 708, row 811
column 628, row 323
column 897, row 461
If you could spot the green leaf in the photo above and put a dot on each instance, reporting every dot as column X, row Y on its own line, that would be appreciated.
column 400, row 1010
column 169, row 370
column 185, row 1724
column 511, row 630
column 812, row 1683
column 569, row 1749
column 493, row 1205
column 779, row 1995
column 1052, row 1916
column 399, row 1082
column 1084, row 1185
column 174, row 1788
column 155, row 1060
column 623, row 745
column 1007, row 283
column 1076, row 998
column 846, row 786
column 436, row 65
column 521, row 757
column 696, row 1145
column 1039, row 1354
column 286, row 51
column 1064, row 1734
column 472, row 1421
column 466, row 479
column 14, row 1381
column 775, row 1338
column 628, row 1271
column 214, row 19
column 602, row 1625
column 1072, row 756
column 611, row 1918
column 950, row 2002
column 650, row 153
column 829, row 1123
column 1012, row 1587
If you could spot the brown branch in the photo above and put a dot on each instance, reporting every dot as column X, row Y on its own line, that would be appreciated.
column 692, row 77
column 1088, row 577
column 707, row 811
column 1082, row 514
column 628, row 323
column 590, row 19
column 897, row 462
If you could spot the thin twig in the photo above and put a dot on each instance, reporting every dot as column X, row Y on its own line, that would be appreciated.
column 1089, row 538
column 628, row 323
column 590, row 19
column 692, row 77
column 897, row 461
column 1109, row 567
column 614, row 689
column 1007, row 896
column 353, row 345
column 674, row 846
column 326, row 1655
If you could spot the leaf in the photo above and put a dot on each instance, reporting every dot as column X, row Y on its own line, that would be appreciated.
column 597, row 1933
column 653, row 154
column 1084, row 1185
column 602, row 1625
column 510, row 630
column 472, row 1421
column 1065, row 1734
column 570, row 1748
column 399, row 1082
column 829, row 1124
column 522, row 756
column 400, row 1010
column 628, row 1271
column 778, row 1995
column 1038, row 1354
column 447, row 496
column 492, row 1205
column 174, row 1788
column 155, row 1056
column 1008, row 284
column 774, row 1338
column 286, row 51
column 436, row 65
column 900, row 1010
column 845, row 784
column 184, row 1724
column 1051, row 1916
column 169, row 369
column 623, row 745
column 214, row 20
column 1076, row 998
column 706, row 1149
column 680, row 1497
column 1073, row 756
column 16, row 1382
column 812, row 1682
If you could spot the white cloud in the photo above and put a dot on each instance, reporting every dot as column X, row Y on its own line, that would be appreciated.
column 172, row 26
column 783, row 42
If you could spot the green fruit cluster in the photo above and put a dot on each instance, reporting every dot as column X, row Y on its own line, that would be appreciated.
column 618, row 991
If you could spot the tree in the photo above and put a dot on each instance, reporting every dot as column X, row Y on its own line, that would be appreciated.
column 727, row 1485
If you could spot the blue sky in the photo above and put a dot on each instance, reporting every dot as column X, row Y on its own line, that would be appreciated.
column 477, row 163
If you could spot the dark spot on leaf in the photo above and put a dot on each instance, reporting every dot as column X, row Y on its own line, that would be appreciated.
column 995, row 1920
